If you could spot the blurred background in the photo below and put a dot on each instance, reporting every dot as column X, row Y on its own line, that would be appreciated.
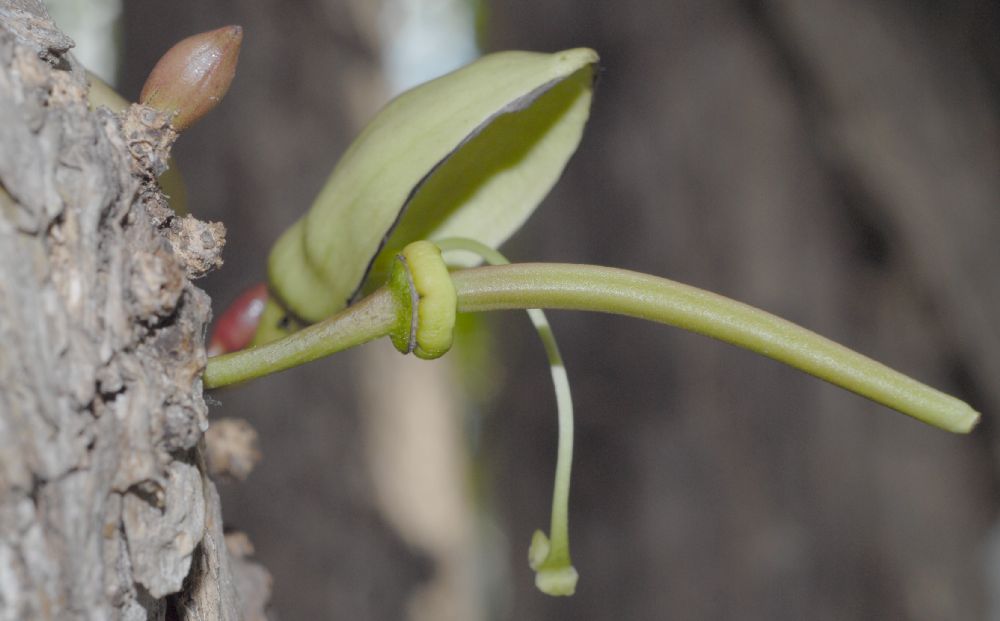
column 834, row 162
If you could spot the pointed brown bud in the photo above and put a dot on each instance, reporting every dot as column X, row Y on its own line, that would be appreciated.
column 194, row 75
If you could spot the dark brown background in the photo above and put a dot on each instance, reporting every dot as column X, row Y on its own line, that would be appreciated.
column 837, row 163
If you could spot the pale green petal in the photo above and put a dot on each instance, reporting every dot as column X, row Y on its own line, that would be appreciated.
column 470, row 154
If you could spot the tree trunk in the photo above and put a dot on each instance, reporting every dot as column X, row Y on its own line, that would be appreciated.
column 106, row 509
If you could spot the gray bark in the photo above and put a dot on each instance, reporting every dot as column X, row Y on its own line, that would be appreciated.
column 106, row 508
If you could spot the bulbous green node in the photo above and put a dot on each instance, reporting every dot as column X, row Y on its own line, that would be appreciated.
column 554, row 574
column 422, row 285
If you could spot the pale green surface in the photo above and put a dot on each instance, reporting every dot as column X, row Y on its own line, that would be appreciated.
column 495, row 134
column 610, row 290
column 103, row 94
column 492, row 185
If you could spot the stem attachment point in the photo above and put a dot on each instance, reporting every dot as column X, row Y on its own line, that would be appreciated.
column 426, row 297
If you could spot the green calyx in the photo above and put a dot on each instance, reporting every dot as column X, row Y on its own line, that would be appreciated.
column 426, row 300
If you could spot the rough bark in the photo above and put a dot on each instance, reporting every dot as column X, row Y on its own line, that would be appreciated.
column 106, row 508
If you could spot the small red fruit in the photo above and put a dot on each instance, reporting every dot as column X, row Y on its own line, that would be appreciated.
column 236, row 326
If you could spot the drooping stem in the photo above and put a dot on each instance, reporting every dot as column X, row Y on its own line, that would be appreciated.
column 369, row 319
column 549, row 554
column 610, row 290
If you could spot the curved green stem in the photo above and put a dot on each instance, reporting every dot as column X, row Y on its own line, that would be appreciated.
column 371, row 318
column 610, row 290
column 549, row 555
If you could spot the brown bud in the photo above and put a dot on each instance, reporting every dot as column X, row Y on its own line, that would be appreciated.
column 194, row 75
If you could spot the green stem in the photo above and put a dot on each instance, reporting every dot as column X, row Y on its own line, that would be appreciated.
column 559, row 528
column 555, row 561
column 610, row 290
column 371, row 318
